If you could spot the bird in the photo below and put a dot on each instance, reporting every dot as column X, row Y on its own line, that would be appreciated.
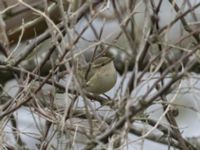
column 98, row 77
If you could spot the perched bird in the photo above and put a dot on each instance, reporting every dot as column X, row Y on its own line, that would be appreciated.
column 99, row 77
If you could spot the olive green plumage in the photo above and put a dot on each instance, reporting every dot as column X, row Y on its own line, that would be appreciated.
column 99, row 77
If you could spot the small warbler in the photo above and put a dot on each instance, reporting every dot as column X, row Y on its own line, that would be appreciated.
column 99, row 77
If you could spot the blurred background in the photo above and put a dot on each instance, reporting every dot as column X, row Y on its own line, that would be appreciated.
column 155, row 48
